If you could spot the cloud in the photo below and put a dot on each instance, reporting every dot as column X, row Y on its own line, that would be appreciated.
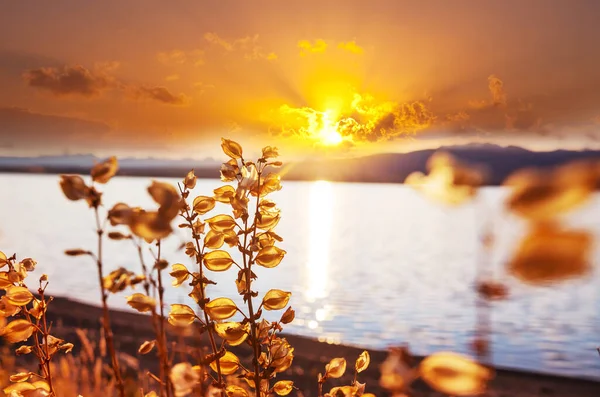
column 175, row 56
column 24, row 128
column 172, row 77
column 202, row 87
column 307, row 47
column 69, row 80
column 351, row 46
column 366, row 120
column 180, row 57
column 249, row 46
column 159, row 94
column 77, row 80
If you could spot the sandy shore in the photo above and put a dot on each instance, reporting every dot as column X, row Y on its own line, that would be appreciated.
column 131, row 329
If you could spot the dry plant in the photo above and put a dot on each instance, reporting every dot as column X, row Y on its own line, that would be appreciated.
column 193, row 342
column 28, row 323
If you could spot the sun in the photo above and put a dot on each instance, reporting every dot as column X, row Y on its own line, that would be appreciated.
column 328, row 134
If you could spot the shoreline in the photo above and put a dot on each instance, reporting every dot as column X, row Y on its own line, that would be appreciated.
column 131, row 329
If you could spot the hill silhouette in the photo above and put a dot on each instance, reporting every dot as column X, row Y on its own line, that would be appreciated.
column 498, row 161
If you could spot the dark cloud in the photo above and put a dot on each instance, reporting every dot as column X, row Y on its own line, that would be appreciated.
column 80, row 81
column 159, row 94
column 12, row 63
column 20, row 127
column 70, row 80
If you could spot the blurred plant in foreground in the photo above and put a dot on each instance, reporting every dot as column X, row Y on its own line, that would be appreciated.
column 242, row 237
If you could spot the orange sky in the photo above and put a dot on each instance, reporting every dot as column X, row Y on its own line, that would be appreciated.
column 170, row 78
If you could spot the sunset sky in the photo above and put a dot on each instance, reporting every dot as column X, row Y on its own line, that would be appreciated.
column 168, row 79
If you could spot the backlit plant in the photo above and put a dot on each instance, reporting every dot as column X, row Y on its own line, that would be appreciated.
column 194, row 343
column 24, row 318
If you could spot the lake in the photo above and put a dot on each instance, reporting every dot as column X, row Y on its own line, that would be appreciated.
column 372, row 265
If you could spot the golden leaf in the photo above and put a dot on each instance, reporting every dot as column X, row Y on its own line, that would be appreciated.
column 221, row 223
column 38, row 309
column 362, row 362
column 229, row 170
column 270, row 256
column 217, row 261
column 28, row 264
column 454, row 374
column 17, row 331
column 269, row 152
column 180, row 273
column 265, row 240
column 5, row 281
column 198, row 227
column 549, row 254
column 73, row 187
column 18, row 296
column 3, row 259
column 214, row 240
column 19, row 389
column 103, row 171
column 229, row 364
column 203, row 204
column 118, row 236
column 449, row 181
column 283, row 387
column 240, row 282
column 23, row 350
column 239, row 204
column 276, row 299
column 231, row 148
column 235, row 391
column 150, row 225
column 345, row 391
column 271, row 183
column 396, row 371
column 282, row 354
column 20, row 377
column 190, row 180
column 120, row 214
column 224, row 194
column 267, row 205
column 168, row 199
column 77, row 252
column 335, row 368
column 267, row 220
column 140, row 302
column 181, row 315
column 146, row 347
column 539, row 195
column 7, row 309
column 231, row 238
column 288, row 316
column 234, row 333
column 249, row 179
column 221, row 308
column 184, row 378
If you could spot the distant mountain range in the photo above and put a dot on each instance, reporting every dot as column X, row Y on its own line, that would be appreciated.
column 383, row 168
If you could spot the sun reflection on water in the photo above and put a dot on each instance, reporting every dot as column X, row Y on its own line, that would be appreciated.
column 320, row 210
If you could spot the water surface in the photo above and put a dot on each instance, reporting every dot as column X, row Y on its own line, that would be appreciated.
column 372, row 265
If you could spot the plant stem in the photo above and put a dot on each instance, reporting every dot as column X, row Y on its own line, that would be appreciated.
column 162, row 334
column 248, row 269
column 106, row 314
column 45, row 336
column 161, row 351
column 207, row 320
